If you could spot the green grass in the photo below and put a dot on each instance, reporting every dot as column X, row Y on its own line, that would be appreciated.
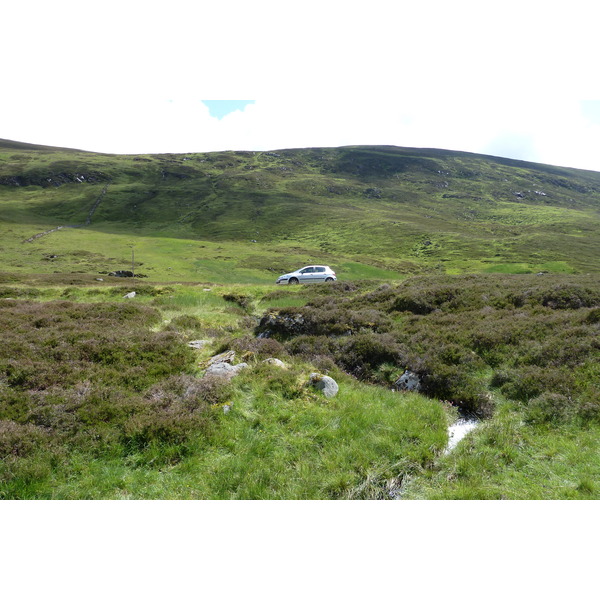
column 304, row 447
column 522, row 268
column 507, row 460
column 437, row 255
column 352, row 271
column 243, row 217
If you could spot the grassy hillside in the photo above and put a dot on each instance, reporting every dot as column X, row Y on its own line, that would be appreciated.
column 371, row 212
column 478, row 275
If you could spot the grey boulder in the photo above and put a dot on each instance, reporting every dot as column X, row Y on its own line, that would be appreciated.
column 223, row 369
column 325, row 384
column 275, row 362
column 408, row 382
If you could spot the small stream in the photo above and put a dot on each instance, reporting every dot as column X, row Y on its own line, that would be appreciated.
column 458, row 430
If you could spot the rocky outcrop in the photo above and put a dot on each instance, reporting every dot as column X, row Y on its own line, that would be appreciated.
column 52, row 179
column 222, row 365
column 224, row 357
column 198, row 344
column 408, row 382
column 287, row 324
column 121, row 274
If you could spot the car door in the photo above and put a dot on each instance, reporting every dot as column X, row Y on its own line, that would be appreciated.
column 320, row 274
column 307, row 275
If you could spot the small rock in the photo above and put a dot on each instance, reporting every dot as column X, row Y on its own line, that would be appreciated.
column 99, row 279
column 227, row 407
column 275, row 362
column 223, row 369
column 130, row 295
column 408, row 382
column 325, row 384
column 224, row 357
column 121, row 274
column 198, row 344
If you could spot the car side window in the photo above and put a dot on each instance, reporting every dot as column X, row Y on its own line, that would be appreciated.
column 320, row 269
column 309, row 270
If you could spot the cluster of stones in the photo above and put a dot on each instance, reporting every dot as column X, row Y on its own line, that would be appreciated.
column 222, row 365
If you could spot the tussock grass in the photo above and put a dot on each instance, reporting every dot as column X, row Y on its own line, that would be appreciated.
column 283, row 441
column 507, row 459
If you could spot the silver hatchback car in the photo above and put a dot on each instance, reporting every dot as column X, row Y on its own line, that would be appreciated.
column 310, row 274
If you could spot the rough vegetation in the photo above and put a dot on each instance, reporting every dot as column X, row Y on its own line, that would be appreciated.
column 528, row 338
column 474, row 276
column 105, row 399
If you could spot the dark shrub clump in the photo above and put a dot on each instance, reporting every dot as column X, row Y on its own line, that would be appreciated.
column 18, row 439
column 89, row 377
column 259, row 348
column 569, row 296
column 465, row 336
column 550, row 407
column 174, row 409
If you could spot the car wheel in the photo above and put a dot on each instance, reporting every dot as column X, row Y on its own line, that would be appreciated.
column 329, row 279
column 293, row 281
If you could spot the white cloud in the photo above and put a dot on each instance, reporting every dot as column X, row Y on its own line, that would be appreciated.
column 129, row 76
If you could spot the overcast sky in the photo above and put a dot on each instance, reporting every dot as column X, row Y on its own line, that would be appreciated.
column 515, row 79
